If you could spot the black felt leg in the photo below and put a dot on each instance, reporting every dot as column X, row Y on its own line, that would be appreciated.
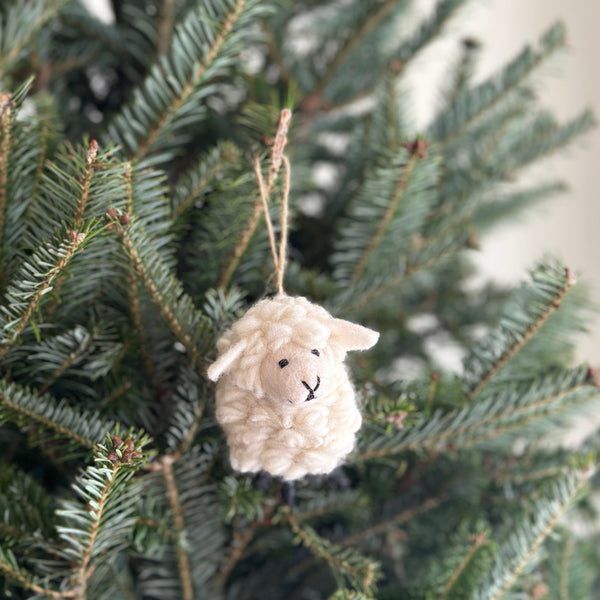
column 288, row 493
column 262, row 481
column 339, row 478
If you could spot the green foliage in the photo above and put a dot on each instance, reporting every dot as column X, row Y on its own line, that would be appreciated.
column 122, row 261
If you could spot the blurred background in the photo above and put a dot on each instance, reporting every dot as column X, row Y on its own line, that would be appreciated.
column 567, row 226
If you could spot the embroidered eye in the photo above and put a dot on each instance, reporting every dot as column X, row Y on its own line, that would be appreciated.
column 315, row 352
column 284, row 362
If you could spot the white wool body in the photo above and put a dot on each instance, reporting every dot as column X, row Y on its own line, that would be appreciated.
column 283, row 395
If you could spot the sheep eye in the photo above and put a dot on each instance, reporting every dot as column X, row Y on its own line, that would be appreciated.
column 315, row 352
column 284, row 362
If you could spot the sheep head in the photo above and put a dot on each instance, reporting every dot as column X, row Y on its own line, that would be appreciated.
column 287, row 349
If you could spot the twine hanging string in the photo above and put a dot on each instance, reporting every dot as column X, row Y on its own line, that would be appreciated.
column 277, row 158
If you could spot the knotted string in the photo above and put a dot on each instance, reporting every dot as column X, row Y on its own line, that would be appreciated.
column 277, row 158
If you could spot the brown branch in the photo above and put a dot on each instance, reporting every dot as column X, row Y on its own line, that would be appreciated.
column 165, row 25
column 5, row 122
column 180, row 98
column 508, row 354
column 187, row 590
column 90, row 159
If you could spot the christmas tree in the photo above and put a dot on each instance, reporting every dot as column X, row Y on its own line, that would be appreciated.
column 133, row 235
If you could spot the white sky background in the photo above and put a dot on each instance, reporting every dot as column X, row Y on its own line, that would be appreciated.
column 568, row 226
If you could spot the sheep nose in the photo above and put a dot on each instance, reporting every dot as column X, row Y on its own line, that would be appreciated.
column 311, row 391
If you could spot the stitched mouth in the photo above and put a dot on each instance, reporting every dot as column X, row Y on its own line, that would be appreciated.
column 311, row 391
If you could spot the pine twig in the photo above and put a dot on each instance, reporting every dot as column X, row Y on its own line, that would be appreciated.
column 240, row 542
column 564, row 569
column 187, row 90
column 386, row 219
column 375, row 19
column 71, row 358
column 450, row 435
column 524, row 340
column 85, row 571
column 394, row 282
column 540, row 538
column 176, row 327
column 183, row 562
column 75, row 242
column 27, row 584
column 132, row 290
column 366, row 576
column 478, row 541
column 52, row 425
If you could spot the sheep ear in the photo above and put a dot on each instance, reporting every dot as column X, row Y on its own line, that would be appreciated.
column 224, row 362
column 352, row 336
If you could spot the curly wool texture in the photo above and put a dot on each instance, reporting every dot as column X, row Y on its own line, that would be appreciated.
column 283, row 395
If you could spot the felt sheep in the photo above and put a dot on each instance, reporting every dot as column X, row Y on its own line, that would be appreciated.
column 283, row 396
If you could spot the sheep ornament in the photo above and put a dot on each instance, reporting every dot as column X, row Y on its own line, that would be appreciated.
column 283, row 396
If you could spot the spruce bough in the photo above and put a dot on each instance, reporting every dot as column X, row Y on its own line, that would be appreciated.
column 131, row 238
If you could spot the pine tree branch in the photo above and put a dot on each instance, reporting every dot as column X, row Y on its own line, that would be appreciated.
column 361, row 571
column 26, row 581
column 38, row 417
column 375, row 18
column 70, row 359
column 84, row 571
column 510, row 352
column 240, row 542
column 386, row 219
column 545, row 527
column 180, row 98
column 35, row 16
column 65, row 253
column 446, row 433
column 239, row 249
column 183, row 562
column 185, row 196
column 513, row 81
column 564, row 568
column 394, row 521
column 478, row 541
column 5, row 123
column 132, row 290
column 394, row 282
column 178, row 328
